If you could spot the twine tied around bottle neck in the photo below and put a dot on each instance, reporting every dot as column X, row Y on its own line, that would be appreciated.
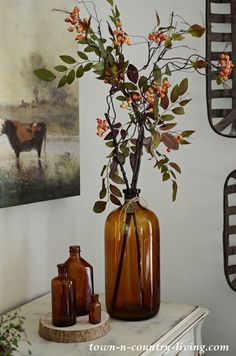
column 129, row 204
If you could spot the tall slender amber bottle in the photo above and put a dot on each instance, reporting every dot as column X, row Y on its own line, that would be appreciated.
column 63, row 298
column 82, row 272
column 132, row 263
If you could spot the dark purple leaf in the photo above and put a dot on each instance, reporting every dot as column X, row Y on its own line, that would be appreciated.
column 132, row 160
column 111, row 135
column 170, row 141
column 165, row 102
column 117, row 126
column 115, row 200
column 132, row 73
column 110, row 29
column 123, row 134
column 115, row 191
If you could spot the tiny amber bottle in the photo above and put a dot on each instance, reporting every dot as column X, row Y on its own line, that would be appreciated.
column 94, row 310
column 63, row 298
column 82, row 272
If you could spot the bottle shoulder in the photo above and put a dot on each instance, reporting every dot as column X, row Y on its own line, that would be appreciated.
column 79, row 262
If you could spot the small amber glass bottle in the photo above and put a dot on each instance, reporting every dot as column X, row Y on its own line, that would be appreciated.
column 94, row 310
column 63, row 298
column 82, row 272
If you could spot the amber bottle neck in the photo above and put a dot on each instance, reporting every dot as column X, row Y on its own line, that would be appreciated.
column 131, row 193
column 62, row 270
column 94, row 298
column 74, row 251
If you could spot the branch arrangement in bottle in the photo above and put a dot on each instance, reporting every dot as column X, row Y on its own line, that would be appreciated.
column 152, row 101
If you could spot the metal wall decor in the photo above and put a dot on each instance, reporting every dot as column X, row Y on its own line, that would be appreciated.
column 221, row 105
column 229, row 233
column 221, row 37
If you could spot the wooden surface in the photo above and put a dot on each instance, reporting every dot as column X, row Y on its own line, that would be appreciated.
column 173, row 324
column 82, row 331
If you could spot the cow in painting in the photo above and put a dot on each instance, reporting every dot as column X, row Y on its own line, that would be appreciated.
column 24, row 137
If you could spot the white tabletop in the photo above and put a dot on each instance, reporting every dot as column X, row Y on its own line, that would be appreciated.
column 172, row 321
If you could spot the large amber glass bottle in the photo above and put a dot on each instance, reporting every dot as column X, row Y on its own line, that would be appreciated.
column 82, row 272
column 132, row 262
column 63, row 298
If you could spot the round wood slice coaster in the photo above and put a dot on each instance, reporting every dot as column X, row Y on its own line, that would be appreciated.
column 80, row 332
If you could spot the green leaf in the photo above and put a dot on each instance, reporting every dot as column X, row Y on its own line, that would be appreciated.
column 82, row 55
column 88, row 66
column 175, row 166
column 156, row 139
column 61, row 68
column 115, row 191
column 167, row 117
column 158, row 19
column 187, row 133
column 174, row 190
column 117, row 179
column 110, row 144
column 165, row 177
column 68, row 59
column 71, row 77
column 80, row 72
column 156, row 106
column 183, row 87
column 111, row 2
column 157, row 73
column 121, row 98
column 117, row 12
column 142, row 81
column 103, row 170
column 179, row 110
column 174, row 96
column 177, row 37
column 184, row 102
column 89, row 49
column 62, row 82
column 196, row 30
column 99, row 206
column 168, row 71
column 103, row 191
column 184, row 142
column 102, row 48
column 99, row 66
column 45, row 74
column 168, row 43
column 129, row 86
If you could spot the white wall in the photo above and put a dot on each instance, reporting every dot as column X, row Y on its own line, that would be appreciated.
column 35, row 237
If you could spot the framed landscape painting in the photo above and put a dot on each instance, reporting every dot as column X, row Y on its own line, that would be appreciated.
column 39, row 123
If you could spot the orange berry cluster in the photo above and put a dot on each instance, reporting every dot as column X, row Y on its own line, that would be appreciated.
column 226, row 67
column 157, row 37
column 78, row 25
column 102, row 127
column 129, row 101
column 120, row 35
column 161, row 91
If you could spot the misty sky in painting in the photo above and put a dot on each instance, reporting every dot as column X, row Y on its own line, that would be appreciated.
column 30, row 26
